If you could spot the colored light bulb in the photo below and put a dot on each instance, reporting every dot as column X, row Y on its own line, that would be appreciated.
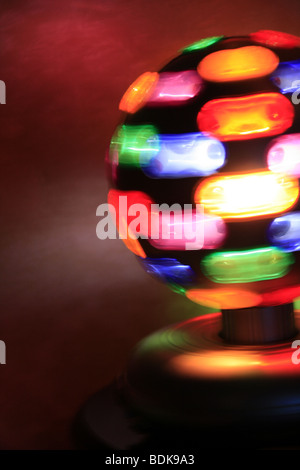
column 284, row 155
column 188, row 230
column 224, row 298
column 123, row 203
column 129, row 144
column 200, row 121
column 169, row 270
column 287, row 76
column 238, row 64
column 138, row 93
column 182, row 155
column 247, row 266
column 276, row 39
column 246, row 117
column 176, row 288
column 130, row 241
column 284, row 232
column 175, row 88
column 280, row 296
column 247, row 195
column 202, row 44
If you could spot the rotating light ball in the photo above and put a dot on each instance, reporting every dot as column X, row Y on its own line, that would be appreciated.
column 215, row 136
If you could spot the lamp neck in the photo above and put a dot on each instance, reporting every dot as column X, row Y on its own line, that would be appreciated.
column 258, row 325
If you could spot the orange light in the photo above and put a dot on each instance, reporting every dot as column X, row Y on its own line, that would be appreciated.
column 235, row 363
column 123, row 219
column 246, row 117
column 224, row 298
column 129, row 240
column 138, row 92
column 238, row 64
column 247, row 195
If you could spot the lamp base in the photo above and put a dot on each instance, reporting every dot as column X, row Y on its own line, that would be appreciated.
column 185, row 386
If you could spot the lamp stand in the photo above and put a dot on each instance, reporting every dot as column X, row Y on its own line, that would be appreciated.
column 231, row 376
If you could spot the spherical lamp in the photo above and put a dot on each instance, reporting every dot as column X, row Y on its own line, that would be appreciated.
column 204, row 172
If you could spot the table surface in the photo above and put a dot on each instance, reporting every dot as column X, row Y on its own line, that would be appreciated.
column 74, row 306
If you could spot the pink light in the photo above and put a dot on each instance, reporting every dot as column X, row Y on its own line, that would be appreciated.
column 284, row 155
column 175, row 88
column 188, row 230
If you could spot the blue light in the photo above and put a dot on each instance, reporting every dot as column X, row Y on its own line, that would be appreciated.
column 287, row 76
column 284, row 232
column 169, row 270
column 183, row 155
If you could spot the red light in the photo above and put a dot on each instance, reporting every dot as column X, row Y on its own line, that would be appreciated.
column 246, row 117
column 123, row 219
column 133, row 197
column 280, row 296
column 276, row 39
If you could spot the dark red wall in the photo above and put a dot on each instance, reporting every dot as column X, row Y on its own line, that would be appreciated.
column 73, row 306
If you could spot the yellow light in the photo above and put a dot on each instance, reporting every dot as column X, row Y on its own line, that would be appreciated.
column 138, row 92
column 217, row 364
column 247, row 195
column 238, row 64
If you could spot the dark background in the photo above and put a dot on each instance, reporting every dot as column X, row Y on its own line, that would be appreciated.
column 73, row 306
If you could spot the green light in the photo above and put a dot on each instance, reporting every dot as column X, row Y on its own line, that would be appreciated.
column 129, row 142
column 176, row 288
column 260, row 264
column 202, row 44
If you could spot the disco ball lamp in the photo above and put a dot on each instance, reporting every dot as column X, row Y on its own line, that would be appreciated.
column 216, row 131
